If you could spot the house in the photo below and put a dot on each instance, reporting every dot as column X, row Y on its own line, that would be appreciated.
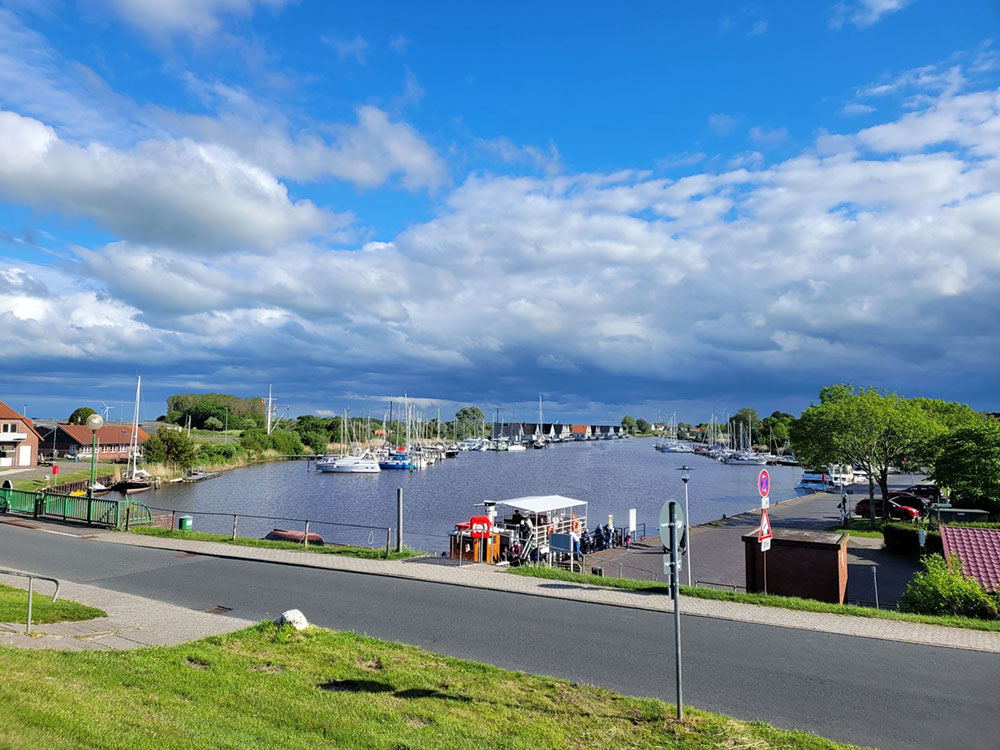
column 18, row 440
column 75, row 441
column 558, row 431
column 529, row 429
column 510, row 430
column 580, row 432
column 979, row 551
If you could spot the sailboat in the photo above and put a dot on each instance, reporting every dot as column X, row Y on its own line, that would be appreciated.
column 356, row 463
column 135, row 479
column 539, row 442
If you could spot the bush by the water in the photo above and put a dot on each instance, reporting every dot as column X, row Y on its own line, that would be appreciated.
column 904, row 539
column 283, row 441
column 942, row 589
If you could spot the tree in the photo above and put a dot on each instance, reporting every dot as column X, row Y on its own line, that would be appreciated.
column 629, row 424
column 468, row 420
column 869, row 428
column 745, row 422
column 643, row 426
column 170, row 447
column 213, row 423
column 79, row 416
column 968, row 463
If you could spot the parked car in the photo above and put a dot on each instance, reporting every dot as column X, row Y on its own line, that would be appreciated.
column 929, row 492
column 896, row 509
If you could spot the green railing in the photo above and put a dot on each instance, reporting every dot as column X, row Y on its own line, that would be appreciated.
column 98, row 510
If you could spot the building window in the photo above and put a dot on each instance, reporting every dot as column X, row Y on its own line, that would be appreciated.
column 8, row 427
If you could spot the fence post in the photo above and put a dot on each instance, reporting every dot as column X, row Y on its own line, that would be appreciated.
column 172, row 519
column 234, row 526
column 305, row 538
column 90, row 511
column 388, row 539
column 128, row 516
column 399, row 519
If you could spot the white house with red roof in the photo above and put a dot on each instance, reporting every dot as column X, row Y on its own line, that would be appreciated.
column 18, row 440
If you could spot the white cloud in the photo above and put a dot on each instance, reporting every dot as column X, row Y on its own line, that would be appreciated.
column 746, row 160
column 176, row 192
column 356, row 47
column 762, row 136
column 863, row 13
column 684, row 159
column 544, row 159
column 722, row 124
column 857, row 108
column 196, row 17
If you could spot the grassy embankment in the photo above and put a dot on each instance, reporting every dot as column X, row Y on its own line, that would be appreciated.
column 273, row 687
column 14, row 607
column 764, row 600
column 328, row 549
column 104, row 474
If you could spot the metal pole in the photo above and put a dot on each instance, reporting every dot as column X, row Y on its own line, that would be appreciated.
column 93, row 469
column 30, row 586
column 875, row 581
column 765, row 570
column 234, row 527
column 388, row 540
column 399, row 519
column 461, row 545
column 305, row 538
column 674, row 589
column 687, row 519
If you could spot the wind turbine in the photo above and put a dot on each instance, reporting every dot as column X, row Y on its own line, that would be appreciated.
column 107, row 409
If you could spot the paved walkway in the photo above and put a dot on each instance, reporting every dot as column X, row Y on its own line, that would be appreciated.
column 132, row 622
column 439, row 570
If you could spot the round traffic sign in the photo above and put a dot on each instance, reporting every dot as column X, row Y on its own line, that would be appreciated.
column 764, row 483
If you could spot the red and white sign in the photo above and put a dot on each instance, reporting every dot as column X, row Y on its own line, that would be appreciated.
column 765, row 527
column 764, row 483
column 479, row 527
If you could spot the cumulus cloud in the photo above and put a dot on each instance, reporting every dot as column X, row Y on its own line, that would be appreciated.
column 196, row 17
column 863, row 13
column 175, row 192
column 762, row 136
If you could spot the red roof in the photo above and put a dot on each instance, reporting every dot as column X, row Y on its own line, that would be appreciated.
column 7, row 413
column 580, row 429
column 979, row 551
column 109, row 434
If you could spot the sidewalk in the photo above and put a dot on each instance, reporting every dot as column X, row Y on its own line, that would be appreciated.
column 132, row 622
column 438, row 570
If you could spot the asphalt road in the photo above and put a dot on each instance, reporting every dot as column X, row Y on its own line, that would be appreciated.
column 865, row 691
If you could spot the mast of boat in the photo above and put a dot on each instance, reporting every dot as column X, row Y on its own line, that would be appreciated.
column 133, row 453
column 538, row 430
column 269, row 400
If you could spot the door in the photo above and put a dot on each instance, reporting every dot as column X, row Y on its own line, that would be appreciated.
column 24, row 455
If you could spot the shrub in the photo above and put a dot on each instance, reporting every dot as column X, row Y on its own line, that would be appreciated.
column 904, row 539
column 942, row 589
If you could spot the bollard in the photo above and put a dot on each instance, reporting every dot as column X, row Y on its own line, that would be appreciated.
column 399, row 519
column 305, row 539
column 388, row 540
column 234, row 527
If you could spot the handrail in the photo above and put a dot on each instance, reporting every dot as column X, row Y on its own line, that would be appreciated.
column 31, row 580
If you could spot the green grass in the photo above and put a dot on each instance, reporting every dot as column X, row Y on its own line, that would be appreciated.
column 267, row 687
column 200, row 536
column 764, row 600
column 14, row 607
column 50, row 480
column 860, row 527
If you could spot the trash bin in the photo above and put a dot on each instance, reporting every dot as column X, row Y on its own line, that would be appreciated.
column 185, row 523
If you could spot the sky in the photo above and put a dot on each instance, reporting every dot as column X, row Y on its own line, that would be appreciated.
column 643, row 208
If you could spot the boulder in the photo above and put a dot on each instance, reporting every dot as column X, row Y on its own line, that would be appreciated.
column 294, row 618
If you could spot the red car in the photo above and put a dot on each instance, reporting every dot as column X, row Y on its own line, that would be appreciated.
column 896, row 510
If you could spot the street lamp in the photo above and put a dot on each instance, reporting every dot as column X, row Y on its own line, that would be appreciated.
column 94, row 422
column 685, row 476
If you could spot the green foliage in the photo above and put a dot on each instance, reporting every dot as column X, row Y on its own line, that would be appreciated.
column 643, row 426
column 904, row 539
column 746, row 418
column 170, row 447
column 943, row 589
column 968, row 462
column 243, row 412
column 79, row 416
column 209, row 453
column 285, row 442
column 629, row 424
column 213, row 423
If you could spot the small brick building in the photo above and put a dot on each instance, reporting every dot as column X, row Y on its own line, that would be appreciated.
column 18, row 440
column 807, row 564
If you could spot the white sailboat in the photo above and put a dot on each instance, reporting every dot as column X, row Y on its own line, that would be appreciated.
column 359, row 462
column 135, row 479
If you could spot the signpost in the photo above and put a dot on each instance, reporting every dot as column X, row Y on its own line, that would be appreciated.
column 672, row 536
column 764, row 535
column 764, row 487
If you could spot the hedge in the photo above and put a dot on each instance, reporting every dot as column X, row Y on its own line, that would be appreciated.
column 942, row 589
column 903, row 539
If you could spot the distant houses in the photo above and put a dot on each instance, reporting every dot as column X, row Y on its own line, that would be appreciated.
column 76, row 441
column 553, row 432
column 18, row 440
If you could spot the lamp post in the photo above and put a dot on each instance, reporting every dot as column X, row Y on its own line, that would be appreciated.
column 685, row 476
column 94, row 422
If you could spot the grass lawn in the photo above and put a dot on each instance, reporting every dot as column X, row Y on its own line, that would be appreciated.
column 860, row 527
column 14, row 607
column 200, row 536
column 63, row 477
column 273, row 687
column 764, row 600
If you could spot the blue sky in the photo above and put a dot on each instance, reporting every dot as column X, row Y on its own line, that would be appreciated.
column 650, row 208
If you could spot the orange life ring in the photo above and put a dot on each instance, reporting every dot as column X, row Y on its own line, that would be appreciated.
column 576, row 524
column 549, row 530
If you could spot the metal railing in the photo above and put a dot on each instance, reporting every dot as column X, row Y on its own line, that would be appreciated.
column 350, row 534
column 90, row 510
column 31, row 583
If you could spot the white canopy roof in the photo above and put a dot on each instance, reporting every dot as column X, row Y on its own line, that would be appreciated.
column 541, row 503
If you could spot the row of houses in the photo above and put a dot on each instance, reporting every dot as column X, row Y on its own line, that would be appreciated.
column 528, row 431
column 22, row 441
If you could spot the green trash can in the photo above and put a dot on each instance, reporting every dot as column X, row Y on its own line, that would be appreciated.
column 185, row 523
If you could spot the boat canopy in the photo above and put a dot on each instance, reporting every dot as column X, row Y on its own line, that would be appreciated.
column 541, row 503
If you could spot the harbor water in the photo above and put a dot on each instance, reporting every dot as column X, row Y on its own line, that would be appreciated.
column 611, row 475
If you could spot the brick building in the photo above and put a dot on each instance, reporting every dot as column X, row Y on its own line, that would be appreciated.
column 18, row 440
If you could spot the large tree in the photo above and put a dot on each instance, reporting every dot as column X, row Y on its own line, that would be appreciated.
column 171, row 447
column 868, row 428
column 468, row 420
column 643, row 426
column 79, row 416
column 968, row 463
column 628, row 424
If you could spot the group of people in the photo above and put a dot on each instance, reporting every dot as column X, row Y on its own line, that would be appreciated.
column 601, row 538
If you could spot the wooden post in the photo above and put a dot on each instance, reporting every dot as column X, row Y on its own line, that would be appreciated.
column 388, row 539
column 172, row 520
column 305, row 539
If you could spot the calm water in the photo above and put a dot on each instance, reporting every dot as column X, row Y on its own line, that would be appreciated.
column 612, row 476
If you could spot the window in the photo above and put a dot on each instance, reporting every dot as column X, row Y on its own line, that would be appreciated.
column 8, row 427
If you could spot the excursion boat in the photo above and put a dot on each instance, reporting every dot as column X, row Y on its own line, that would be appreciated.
column 815, row 480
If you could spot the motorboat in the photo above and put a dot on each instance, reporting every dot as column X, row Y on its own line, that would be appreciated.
column 363, row 464
column 813, row 481
column 746, row 458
